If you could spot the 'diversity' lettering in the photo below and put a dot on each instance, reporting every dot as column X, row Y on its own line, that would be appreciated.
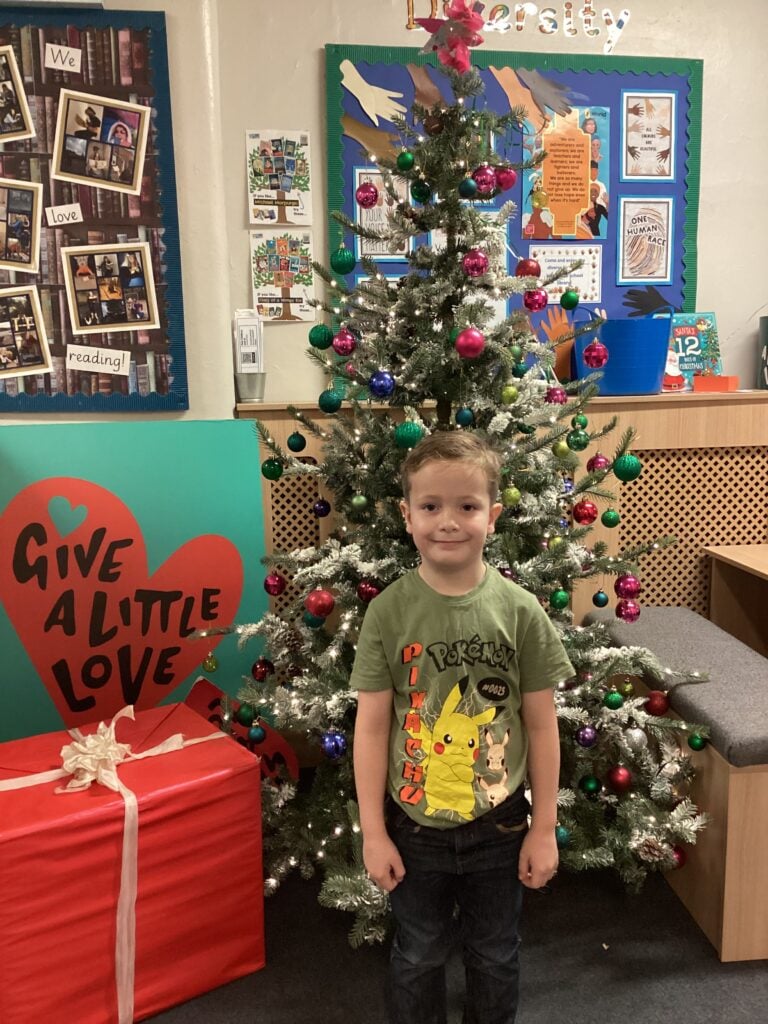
column 470, row 652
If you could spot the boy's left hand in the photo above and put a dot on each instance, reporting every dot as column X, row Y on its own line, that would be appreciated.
column 538, row 858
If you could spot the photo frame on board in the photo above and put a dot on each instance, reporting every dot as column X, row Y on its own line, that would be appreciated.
column 15, row 119
column 110, row 288
column 21, row 204
column 24, row 346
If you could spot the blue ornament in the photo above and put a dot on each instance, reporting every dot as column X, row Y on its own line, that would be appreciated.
column 256, row 734
column 381, row 384
column 334, row 744
column 562, row 836
column 600, row 599
column 465, row 417
column 321, row 508
column 297, row 442
column 567, row 486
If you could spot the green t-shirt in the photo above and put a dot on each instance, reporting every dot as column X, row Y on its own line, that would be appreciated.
column 457, row 667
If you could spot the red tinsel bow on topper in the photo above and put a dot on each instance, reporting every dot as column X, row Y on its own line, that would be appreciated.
column 452, row 36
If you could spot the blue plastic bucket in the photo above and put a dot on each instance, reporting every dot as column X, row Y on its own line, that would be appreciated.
column 637, row 355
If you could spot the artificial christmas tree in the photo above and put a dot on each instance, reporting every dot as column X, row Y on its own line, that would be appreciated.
column 423, row 353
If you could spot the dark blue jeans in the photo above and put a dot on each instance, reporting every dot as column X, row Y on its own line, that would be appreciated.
column 473, row 866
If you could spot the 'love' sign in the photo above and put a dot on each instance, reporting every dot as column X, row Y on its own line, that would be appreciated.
column 100, row 631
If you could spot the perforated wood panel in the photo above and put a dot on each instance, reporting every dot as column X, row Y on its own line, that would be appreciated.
column 701, row 496
column 294, row 524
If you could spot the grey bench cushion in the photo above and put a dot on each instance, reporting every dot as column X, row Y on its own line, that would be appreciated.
column 733, row 702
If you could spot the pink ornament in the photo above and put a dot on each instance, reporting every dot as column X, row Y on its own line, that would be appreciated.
column 528, row 268
column 275, row 584
column 320, row 603
column 344, row 343
column 350, row 369
column 536, row 300
column 367, row 195
column 470, row 343
column 627, row 610
column 680, row 856
column 474, row 263
column 506, row 178
column 366, row 590
column 556, row 396
column 585, row 512
column 627, row 585
column 595, row 355
column 598, row 463
column 485, row 179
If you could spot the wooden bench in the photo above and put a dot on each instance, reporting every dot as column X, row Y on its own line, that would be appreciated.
column 724, row 883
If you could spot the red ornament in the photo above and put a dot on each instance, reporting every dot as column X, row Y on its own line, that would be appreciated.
column 367, row 195
column 681, row 857
column 262, row 668
column 627, row 585
column 319, row 603
column 598, row 463
column 556, row 396
column 350, row 369
column 367, row 590
column 535, row 300
column 619, row 778
column 470, row 343
column 528, row 268
column 585, row 512
column 344, row 343
column 657, row 703
column 595, row 355
column 275, row 584
column 627, row 610
column 506, row 178
column 474, row 263
column 485, row 179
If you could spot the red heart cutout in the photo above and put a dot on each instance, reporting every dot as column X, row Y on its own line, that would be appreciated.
column 99, row 630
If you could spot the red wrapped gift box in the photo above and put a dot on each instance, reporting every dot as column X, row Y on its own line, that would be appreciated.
column 199, row 910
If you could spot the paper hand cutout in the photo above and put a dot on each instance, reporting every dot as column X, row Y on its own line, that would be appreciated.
column 643, row 301
column 545, row 93
column 375, row 101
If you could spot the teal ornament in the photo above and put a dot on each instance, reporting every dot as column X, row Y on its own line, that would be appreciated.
column 421, row 190
column 590, row 785
column 569, row 299
column 408, row 434
column 245, row 715
column 405, row 160
column 313, row 621
column 343, row 260
column 320, row 336
column 296, row 442
column 467, row 188
column 559, row 599
column 465, row 417
column 257, row 733
column 329, row 401
column 600, row 599
column 272, row 469
column 519, row 370
column 526, row 428
column 613, row 700
column 359, row 502
column 562, row 836
column 579, row 421
column 610, row 518
column 577, row 440
column 627, row 467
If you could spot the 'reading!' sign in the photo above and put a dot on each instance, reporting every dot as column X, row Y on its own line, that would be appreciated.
column 99, row 628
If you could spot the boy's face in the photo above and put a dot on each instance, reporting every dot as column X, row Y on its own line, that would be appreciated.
column 449, row 515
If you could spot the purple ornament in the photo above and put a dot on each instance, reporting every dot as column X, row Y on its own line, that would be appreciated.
column 506, row 572
column 474, row 263
column 381, row 384
column 470, row 343
column 627, row 585
column 627, row 610
column 598, row 463
column 535, row 300
column 367, row 195
column 586, row 735
column 275, row 584
column 556, row 396
column 344, row 343
column 506, row 178
column 595, row 355
column 485, row 178
column 321, row 508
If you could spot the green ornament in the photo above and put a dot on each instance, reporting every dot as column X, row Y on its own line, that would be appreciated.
column 329, row 401
column 580, row 421
column 272, row 469
column 610, row 518
column 245, row 715
column 320, row 336
column 516, row 352
column 560, row 449
column 613, row 700
column 519, row 370
column 696, row 741
column 454, row 333
column 421, row 190
column 509, row 394
column 359, row 502
column 590, row 785
column 559, row 599
column 467, row 188
column 627, row 467
column 569, row 299
column 313, row 621
column 510, row 497
column 555, row 543
column 210, row 663
column 408, row 434
column 343, row 260
column 296, row 442
column 577, row 440
column 627, row 688
column 526, row 428
column 405, row 160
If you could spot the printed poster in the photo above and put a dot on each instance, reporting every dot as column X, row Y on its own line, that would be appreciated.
column 279, row 177
column 375, row 217
column 648, row 136
column 645, row 240
column 282, row 276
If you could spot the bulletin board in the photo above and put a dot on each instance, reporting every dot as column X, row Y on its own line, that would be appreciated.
column 91, row 311
column 630, row 126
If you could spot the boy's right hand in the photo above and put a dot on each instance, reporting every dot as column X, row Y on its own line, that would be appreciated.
column 383, row 862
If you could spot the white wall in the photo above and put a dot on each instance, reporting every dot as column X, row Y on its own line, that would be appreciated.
column 239, row 64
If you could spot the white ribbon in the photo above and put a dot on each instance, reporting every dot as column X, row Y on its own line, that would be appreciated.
column 94, row 758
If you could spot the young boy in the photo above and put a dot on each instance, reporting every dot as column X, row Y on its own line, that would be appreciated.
column 455, row 668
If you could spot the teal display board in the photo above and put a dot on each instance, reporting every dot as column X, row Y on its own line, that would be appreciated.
column 116, row 542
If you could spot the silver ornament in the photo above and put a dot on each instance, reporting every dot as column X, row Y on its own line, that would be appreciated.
column 636, row 739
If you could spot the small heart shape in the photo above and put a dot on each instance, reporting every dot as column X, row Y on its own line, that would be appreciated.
column 66, row 517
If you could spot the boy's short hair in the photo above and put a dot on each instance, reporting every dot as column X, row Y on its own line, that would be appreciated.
column 452, row 446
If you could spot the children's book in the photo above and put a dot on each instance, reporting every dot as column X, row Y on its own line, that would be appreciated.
column 694, row 350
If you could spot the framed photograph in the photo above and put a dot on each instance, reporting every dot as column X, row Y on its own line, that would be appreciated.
column 100, row 141
column 110, row 287
column 648, row 121
column 21, row 209
column 15, row 120
column 23, row 339
column 645, row 240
